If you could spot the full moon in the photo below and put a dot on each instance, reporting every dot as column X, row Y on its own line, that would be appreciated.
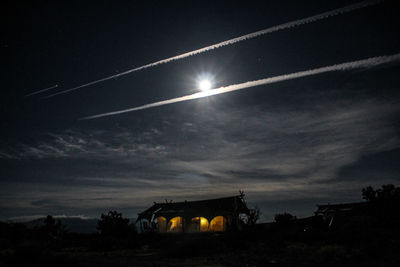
column 204, row 85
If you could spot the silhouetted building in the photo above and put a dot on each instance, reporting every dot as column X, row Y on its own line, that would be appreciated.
column 331, row 211
column 194, row 216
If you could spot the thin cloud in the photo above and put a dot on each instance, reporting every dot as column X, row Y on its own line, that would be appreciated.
column 364, row 63
column 284, row 26
column 76, row 144
column 251, row 149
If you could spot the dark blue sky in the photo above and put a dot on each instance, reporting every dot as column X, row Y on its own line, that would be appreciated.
column 288, row 145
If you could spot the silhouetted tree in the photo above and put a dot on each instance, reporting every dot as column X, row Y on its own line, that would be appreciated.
column 253, row 216
column 285, row 219
column 49, row 222
column 386, row 192
column 53, row 227
column 113, row 224
column 384, row 202
column 368, row 193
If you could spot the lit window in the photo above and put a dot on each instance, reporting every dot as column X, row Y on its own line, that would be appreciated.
column 175, row 225
column 200, row 224
column 161, row 224
column 218, row 224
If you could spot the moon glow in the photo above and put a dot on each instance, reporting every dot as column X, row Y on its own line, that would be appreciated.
column 204, row 85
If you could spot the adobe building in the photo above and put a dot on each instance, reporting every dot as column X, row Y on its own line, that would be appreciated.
column 194, row 216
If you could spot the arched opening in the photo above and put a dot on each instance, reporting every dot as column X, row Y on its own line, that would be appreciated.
column 175, row 225
column 218, row 224
column 199, row 224
column 143, row 225
column 161, row 224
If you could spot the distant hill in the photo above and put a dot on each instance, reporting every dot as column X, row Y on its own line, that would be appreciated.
column 73, row 224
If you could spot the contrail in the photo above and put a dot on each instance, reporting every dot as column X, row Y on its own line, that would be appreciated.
column 287, row 25
column 364, row 63
column 41, row 91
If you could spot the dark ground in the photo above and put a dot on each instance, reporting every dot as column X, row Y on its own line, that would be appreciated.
column 355, row 241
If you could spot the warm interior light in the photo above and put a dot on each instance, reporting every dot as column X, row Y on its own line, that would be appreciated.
column 203, row 224
column 162, row 224
column 199, row 224
column 175, row 225
column 218, row 224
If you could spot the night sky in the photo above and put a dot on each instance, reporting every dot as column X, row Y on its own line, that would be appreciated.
column 289, row 145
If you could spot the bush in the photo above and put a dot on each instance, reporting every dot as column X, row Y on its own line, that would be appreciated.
column 285, row 219
column 113, row 224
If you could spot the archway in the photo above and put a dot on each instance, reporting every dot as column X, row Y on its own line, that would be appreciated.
column 199, row 224
column 161, row 224
column 143, row 225
column 218, row 224
column 175, row 225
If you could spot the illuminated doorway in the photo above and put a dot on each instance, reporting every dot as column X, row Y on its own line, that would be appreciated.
column 199, row 224
column 175, row 225
column 161, row 224
column 218, row 224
